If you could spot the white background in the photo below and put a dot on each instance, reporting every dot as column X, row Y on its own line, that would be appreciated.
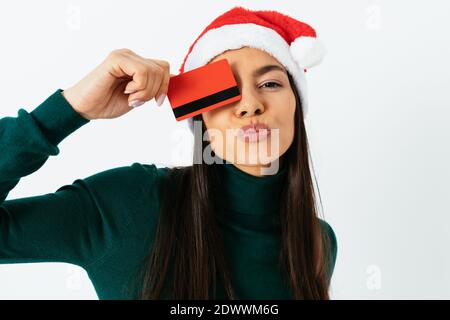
column 378, row 125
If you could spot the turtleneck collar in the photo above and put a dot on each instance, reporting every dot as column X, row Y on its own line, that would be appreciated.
column 243, row 193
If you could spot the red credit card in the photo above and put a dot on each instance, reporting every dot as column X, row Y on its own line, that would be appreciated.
column 202, row 89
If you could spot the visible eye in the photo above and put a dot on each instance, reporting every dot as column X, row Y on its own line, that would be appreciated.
column 273, row 83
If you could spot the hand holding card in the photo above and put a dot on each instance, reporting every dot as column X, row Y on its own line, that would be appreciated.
column 202, row 89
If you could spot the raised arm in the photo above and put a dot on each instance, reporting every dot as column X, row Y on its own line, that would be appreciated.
column 77, row 223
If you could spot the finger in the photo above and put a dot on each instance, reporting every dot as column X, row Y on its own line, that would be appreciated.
column 162, row 90
column 162, row 63
column 157, row 83
column 154, row 78
column 137, row 70
column 121, row 66
column 154, row 81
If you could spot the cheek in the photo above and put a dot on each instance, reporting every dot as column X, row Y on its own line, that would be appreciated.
column 283, row 105
column 215, row 123
column 286, row 123
column 214, row 119
column 206, row 119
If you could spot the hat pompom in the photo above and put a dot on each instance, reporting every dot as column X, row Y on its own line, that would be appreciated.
column 307, row 51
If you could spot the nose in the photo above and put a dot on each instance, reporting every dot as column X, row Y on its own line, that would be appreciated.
column 248, row 106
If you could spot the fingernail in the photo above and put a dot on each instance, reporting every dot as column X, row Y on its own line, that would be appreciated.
column 136, row 103
column 160, row 99
column 127, row 91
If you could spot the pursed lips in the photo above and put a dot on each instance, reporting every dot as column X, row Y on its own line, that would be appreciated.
column 254, row 132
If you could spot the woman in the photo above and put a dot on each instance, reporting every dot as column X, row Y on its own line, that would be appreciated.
column 213, row 230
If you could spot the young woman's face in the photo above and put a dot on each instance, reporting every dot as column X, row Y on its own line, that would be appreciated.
column 267, row 98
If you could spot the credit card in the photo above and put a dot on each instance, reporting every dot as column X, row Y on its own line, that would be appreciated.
column 202, row 89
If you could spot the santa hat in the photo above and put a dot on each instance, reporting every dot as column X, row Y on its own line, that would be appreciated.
column 292, row 42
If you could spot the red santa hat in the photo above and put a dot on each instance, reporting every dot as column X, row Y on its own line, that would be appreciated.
column 292, row 42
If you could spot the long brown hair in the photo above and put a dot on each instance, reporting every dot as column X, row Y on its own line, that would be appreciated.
column 187, row 250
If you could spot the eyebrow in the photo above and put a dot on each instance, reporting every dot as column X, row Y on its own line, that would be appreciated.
column 263, row 70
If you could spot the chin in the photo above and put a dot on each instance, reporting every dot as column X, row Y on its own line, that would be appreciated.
column 254, row 159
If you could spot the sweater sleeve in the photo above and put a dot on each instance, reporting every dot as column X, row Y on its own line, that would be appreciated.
column 334, row 249
column 331, row 246
column 53, row 227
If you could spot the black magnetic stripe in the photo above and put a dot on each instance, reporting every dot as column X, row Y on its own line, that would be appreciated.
column 206, row 101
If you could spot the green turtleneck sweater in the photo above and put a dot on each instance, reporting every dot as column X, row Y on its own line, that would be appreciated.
column 105, row 223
